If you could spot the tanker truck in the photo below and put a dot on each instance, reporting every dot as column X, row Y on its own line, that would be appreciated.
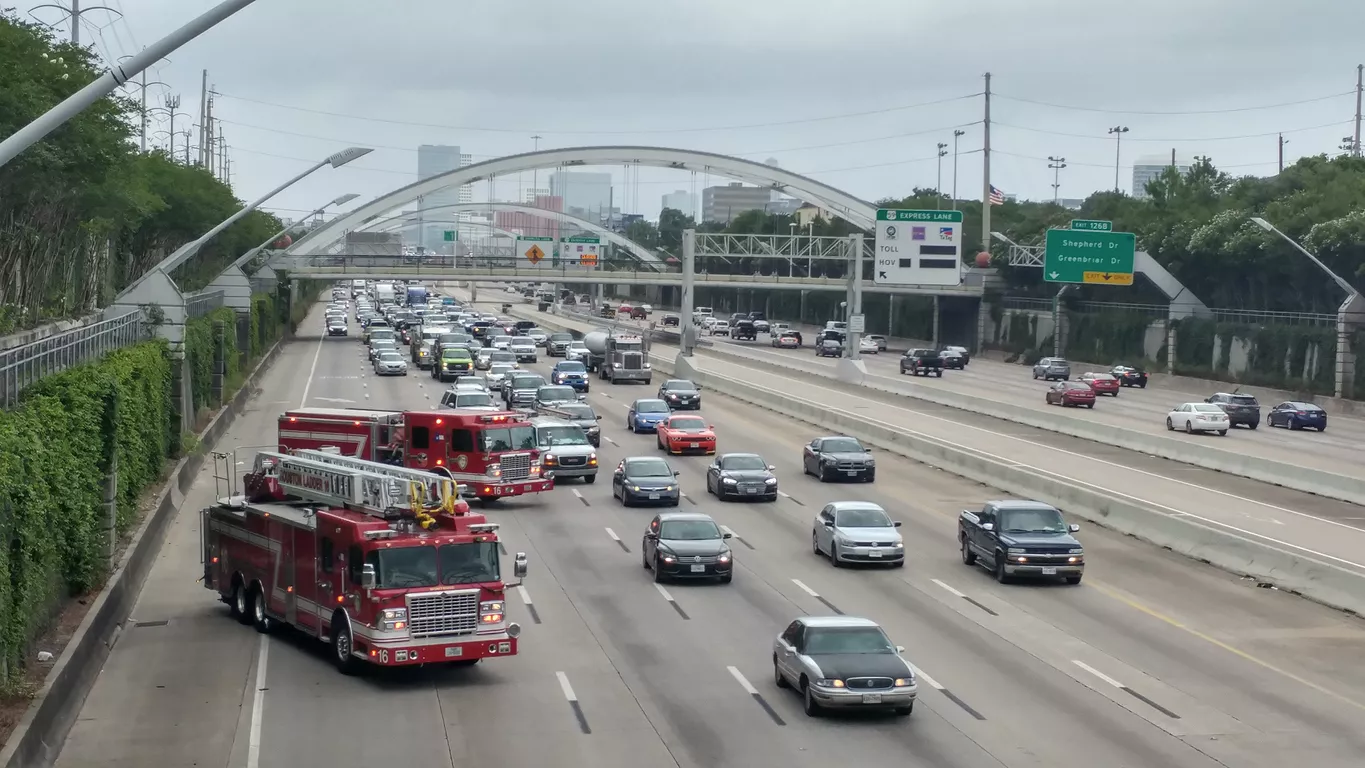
column 617, row 356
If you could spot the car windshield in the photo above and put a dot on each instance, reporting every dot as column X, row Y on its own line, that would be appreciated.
column 474, row 562
column 528, row 382
column 561, row 337
column 566, row 435
column 553, row 394
column 843, row 640
column 577, row 345
column 1242, row 400
column 1075, row 385
column 454, row 354
column 1206, row 408
column 862, row 517
column 380, row 333
column 390, row 357
column 522, row 341
column 688, row 424
column 502, row 339
column 1101, row 377
column 742, row 463
column 689, row 530
column 399, row 567
column 1032, row 520
column 380, row 345
column 452, row 338
column 500, row 370
column 651, row 406
column 648, row 468
column 503, row 357
column 473, row 400
column 508, row 439
column 571, row 368
column 841, row 445
column 1306, row 407
column 678, row 385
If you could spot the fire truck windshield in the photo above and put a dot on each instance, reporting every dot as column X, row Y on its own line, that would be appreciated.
column 405, row 567
column 507, row 439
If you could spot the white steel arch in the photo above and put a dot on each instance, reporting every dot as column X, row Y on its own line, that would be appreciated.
column 401, row 220
column 858, row 212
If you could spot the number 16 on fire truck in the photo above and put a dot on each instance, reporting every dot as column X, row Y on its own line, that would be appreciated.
column 384, row 563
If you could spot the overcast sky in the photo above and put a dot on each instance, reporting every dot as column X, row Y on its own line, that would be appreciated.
column 856, row 94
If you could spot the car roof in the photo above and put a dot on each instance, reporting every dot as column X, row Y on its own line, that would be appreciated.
column 665, row 517
column 679, row 381
column 1019, row 504
column 549, row 421
column 638, row 459
column 837, row 621
column 841, row 506
column 737, row 455
column 648, row 400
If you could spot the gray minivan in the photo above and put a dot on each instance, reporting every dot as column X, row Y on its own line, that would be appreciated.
column 1052, row 369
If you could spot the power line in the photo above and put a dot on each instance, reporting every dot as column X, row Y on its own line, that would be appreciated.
column 1176, row 112
column 1336, row 124
column 1109, row 166
column 780, row 123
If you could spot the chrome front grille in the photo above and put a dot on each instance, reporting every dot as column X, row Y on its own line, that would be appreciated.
column 867, row 544
column 443, row 613
column 865, row 683
column 845, row 466
column 632, row 361
column 515, row 466
column 690, row 559
column 573, row 461
column 751, row 487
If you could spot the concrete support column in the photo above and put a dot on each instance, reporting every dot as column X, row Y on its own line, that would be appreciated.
column 219, row 383
column 936, row 322
column 1172, row 336
column 851, row 367
column 244, row 334
column 182, row 403
column 983, row 319
column 891, row 315
column 1350, row 319
column 687, row 303
column 802, row 317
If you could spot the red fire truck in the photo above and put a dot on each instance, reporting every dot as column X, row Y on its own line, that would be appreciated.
column 493, row 455
column 384, row 563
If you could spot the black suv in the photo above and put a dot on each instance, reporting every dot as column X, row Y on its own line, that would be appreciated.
column 1241, row 409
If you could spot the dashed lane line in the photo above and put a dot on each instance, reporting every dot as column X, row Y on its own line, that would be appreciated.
column 530, row 606
column 817, row 596
column 1125, row 689
column 574, row 705
column 756, row 696
column 971, row 600
column 736, row 536
column 580, row 496
column 617, row 539
column 671, row 601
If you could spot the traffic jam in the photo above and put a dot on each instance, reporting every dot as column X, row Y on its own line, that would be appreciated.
column 390, row 509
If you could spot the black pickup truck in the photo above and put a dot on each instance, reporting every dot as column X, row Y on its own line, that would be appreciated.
column 922, row 362
column 1021, row 539
column 744, row 330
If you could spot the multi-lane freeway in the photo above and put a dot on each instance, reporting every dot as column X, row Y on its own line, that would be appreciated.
column 1153, row 661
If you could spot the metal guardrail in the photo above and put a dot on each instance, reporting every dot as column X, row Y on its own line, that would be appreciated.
column 1161, row 311
column 201, row 304
column 23, row 366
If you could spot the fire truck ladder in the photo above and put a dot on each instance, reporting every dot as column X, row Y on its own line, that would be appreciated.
column 427, row 491
column 362, row 485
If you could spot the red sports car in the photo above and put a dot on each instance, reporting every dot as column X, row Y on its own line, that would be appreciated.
column 683, row 434
column 1102, row 383
column 1071, row 393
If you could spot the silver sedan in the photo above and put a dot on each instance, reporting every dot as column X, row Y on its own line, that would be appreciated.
column 857, row 532
column 390, row 363
column 843, row 662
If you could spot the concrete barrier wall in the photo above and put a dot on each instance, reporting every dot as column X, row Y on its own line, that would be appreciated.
column 41, row 732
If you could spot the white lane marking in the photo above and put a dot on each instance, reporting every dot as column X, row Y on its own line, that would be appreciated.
column 565, row 687
column 680, row 493
column 664, row 592
column 743, row 683
column 312, row 369
column 1097, row 673
column 784, row 494
column 334, row 400
column 729, row 530
column 805, row 588
column 577, row 492
column 253, row 744
column 525, row 596
column 613, row 535
column 931, row 681
column 608, row 439
column 950, row 589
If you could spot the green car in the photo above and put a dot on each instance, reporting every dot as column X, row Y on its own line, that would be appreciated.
column 453, row 364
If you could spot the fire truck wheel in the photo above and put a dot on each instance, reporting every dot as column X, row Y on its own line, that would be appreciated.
column 341, row 644
column 241, row 608
column 259, row 620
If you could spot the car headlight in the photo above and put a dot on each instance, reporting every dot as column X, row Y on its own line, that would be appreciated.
column 905, row 682
column 1016, row 551
column 594, row 430
column 840, row 540
column 723, row 558
column 635, row 488
column 827, row 682
column 668, row 487
column 899, row 544
column 771, row 481
column 393, row 619
column 1076, row 552
column 870, row 463
column 728, row 480
column 550, row 458
column 491, row 612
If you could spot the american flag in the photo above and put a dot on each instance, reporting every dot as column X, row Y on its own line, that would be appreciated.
column 997, row 197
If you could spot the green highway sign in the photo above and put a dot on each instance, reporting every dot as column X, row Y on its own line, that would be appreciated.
column 1092, row 257
column 891, row 214
column 1092, row 225
column 451, row 235
column 530, row 239
column 584, row 239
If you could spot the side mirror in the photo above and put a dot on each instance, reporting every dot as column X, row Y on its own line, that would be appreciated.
column 727, row 535
column 1073, row 527
column 900, row 649
column 710, row 426
column 519, row 565
column 367, row 576
column 896, row 523
column 583, row 397
column 772, row 468
column 677, row 473
column 652, row 536
column 599, row 417
column 827, row 523
column 988, row 526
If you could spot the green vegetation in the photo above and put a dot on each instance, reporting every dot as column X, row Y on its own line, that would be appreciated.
column 83, row 212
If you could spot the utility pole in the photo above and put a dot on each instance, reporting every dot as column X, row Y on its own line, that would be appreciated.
column 535, row 175
column 1117, row 132
column 986, row 172
column 210, row 148
column 74, row 13
column 1056, row 164
column 957, row 134
column 1360, row 87
column 187, row 146
column 1282, row 141
column 203, row 114
column 172, row 104
column 938, row 185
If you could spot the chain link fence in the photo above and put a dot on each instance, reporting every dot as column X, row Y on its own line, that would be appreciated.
column 23, row 366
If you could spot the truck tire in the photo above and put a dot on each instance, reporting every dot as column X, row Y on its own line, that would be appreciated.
column 938, row 373
column 259, row 620
column 968, row 556
column 342, row 644
column 240, row 600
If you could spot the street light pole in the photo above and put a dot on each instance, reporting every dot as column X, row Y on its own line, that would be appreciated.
column 184, row 252
column 938, row 185
column 118, row 75
column 1117, row 132
column 249, row 255
column 957, row 134
column 1056, row 164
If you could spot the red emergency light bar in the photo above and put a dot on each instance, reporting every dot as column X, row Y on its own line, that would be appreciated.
column 493, row 419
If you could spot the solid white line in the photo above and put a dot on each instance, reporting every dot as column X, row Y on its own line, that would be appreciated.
column 608, row 439
column 931, row 681
column 577, row 492
column 565, row 687
column 784, row 494
column 613, row 535
column 525, row 596
column 253, row 744
column 950, row 589
column 1097, row 673
column 308, row 383
column 743, row 683
column 664, row 592
column 805, row 588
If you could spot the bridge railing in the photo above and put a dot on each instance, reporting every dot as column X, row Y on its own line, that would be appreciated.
column 21, row 367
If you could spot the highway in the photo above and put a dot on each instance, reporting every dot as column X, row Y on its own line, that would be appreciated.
column 1153, row 661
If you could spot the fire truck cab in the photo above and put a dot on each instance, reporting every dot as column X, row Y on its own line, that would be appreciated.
column 492, row 455
column 386, row 564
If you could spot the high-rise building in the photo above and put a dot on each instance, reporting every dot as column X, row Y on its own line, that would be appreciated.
column 529, row 224
column 682, row 201
column 722, row 204
column 586, row 195
column 1148, row 167
column 434, row 160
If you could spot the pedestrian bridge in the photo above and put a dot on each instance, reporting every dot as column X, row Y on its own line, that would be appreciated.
column 519, row 271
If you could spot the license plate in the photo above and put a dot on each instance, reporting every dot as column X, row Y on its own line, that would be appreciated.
column 653, row 496
column 699, row 569
column 751, row 490
column 1049, row 571
column 851, row 472
column 454, row 652
column 872, row 698
column 693, row 445
column 875, row 553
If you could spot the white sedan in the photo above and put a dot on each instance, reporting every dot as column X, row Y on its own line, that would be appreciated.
column 1198, row 417
column 868, row 346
